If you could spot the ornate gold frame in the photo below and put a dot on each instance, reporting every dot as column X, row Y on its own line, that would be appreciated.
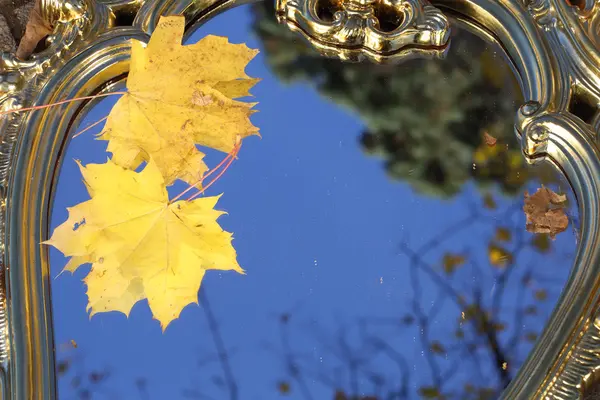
column 552, row 45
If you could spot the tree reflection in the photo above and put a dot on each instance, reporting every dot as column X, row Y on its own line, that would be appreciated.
column 427, row 120
column 82, row 382
column 79, row 382
column 424, row 118
column 498, row 302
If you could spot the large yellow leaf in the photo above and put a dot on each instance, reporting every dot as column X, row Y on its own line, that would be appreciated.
column 139, row 244
column 179, row 96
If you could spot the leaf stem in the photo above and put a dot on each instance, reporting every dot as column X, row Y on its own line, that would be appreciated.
column 216, row 177
column 43, row 106
column 89, row 127
column 228, row 159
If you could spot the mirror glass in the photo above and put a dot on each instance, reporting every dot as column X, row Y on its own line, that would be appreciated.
column 380, row 223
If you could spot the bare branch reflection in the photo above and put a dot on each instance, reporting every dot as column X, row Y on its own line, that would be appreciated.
column 498, row 298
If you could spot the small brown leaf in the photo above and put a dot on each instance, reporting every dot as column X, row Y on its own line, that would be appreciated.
column 530, row 310
column 451, row 262
column 503, row 234
column 73, row 343
column 75, row 382
column 541, row 243
column 540, row 295
column 489, row 202
column 489, row 139
column 429, row 392
column 96, row 377
column 437, row 348
column 499, row 326
column 63, row 367
column 486, row 394
column 283, row 387
column 544, row 212
column 469, row 313
column 340, row 395
column 531, row 337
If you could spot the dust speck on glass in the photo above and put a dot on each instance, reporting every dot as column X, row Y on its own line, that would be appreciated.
column 380, row 223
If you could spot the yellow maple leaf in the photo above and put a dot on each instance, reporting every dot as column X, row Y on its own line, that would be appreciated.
column 141, row 245
column 179, row 96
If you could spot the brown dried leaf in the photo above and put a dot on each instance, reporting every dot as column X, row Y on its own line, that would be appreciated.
column 531, row 337
column 499, row 326
column 489, row 202
column 544, row 212
column 63, row 367
column 283, row 387
column 530, row 310
column 489, row 139
column 37, row 29
column 540, row 295
column 437, row 348
column 541, row 243
column 429, row 392
column 451, row 262
column 503, row 234
column 340, row 395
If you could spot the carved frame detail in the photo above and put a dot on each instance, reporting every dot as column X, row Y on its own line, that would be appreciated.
column 553, row 47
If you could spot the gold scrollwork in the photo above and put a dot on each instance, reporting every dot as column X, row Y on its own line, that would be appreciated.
column 380, row 30
column 70, row 20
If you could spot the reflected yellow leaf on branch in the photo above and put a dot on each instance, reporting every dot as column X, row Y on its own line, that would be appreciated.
column 142, row 246
column 483, row 154
column 498, row 256
column 179, row 96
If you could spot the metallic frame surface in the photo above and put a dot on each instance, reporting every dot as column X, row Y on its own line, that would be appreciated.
column 552, row 46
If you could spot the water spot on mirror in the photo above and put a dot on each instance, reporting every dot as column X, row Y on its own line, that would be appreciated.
column 380, row 223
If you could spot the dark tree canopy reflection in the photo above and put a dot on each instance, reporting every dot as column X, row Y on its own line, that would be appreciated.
column 424, row 118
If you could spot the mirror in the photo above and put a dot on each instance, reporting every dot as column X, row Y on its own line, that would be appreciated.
column 380, row 222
